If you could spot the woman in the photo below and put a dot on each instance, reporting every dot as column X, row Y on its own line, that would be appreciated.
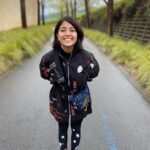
column 69, row 67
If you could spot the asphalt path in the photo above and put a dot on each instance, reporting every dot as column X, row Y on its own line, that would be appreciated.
column 120, row 119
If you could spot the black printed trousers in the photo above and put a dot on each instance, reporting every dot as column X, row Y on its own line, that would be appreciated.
column 75, row 135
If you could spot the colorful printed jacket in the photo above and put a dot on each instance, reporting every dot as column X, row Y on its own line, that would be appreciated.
column 68, row 76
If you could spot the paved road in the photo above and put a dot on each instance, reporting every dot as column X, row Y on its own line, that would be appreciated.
column 120, row 119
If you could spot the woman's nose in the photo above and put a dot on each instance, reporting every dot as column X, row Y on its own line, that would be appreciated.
column 68, row 32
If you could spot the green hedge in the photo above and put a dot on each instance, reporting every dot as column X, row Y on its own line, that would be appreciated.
column 17, row 44
column 134, row 57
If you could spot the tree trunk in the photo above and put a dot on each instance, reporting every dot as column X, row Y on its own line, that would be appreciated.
column 110, row 18
column 23, row 14
column 43, row 7
column 71, row 7
column 38, row 9
column 75, row 8
column 109, row 4
column 87, row 12
column 61, row 13
column 67, row 7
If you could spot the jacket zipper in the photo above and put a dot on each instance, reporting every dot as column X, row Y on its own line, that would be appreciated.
column 68, row 62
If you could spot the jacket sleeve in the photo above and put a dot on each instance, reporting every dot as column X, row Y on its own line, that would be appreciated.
column 91, row 68
column 51, row 70
column 44, row 69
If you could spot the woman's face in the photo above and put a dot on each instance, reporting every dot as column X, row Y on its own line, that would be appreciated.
column 67, row 36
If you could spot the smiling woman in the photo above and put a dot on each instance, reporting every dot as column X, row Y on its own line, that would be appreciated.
column 67, row 36
column 69, row 67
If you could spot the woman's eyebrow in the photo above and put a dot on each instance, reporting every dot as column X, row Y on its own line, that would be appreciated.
column 66, row 27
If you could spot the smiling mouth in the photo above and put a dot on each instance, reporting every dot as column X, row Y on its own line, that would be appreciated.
column 67, row 39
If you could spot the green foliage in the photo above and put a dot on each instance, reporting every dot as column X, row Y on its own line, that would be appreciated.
column 128, row 3
column 51, row 20
column 98, row 17
column 18, row 44
column 129, row 53
column 79, row 15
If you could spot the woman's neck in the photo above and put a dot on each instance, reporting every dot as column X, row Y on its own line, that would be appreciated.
column 65, row 54
column 67, row 49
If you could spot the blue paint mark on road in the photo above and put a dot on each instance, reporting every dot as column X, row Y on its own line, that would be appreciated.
column 108, row 132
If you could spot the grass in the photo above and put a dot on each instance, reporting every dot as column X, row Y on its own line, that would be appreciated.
column 51, row 20
column 133, row 56
column 18, row 44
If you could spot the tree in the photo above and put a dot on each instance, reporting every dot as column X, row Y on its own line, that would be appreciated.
column 43, row 8
column 75, row 8
column 59, row 6
column 23, row 14
column 87, row 12
column 67, row 7
column 71, row 8
column 38, row 9
column 109, row 4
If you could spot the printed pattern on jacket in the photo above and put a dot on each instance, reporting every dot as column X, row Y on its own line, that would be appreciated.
column 79, row 69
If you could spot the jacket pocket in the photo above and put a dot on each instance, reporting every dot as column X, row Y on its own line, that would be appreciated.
column 56, row 106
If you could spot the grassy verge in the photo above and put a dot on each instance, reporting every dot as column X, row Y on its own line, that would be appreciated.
column 17, row 44
column 133, row 56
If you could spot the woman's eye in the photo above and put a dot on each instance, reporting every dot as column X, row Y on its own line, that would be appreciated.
column 62, row 30
column 72, row 30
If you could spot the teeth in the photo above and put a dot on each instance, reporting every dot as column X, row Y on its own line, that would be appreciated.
column 67, row 39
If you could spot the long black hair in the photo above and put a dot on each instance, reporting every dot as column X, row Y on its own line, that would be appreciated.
column 80, row 35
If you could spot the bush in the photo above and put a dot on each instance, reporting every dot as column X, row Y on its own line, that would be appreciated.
column 18, row 44
column 129, row 53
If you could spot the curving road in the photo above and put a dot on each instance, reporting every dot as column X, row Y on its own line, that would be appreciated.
column 120, row 119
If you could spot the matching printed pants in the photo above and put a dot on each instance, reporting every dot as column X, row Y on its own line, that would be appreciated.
column 75, row 135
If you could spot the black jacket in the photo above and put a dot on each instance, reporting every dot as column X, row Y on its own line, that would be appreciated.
column 68, row 74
